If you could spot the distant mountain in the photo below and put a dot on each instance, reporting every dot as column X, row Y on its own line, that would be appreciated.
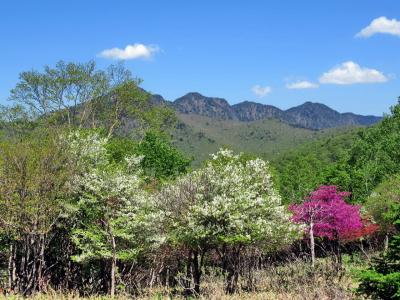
column 309, row 115
column 207, row 123
column 195, row 103
column 318, row 116
column 251, row 111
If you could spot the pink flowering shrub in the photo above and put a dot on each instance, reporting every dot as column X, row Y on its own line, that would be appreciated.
column 368, row 229
column 328, row 213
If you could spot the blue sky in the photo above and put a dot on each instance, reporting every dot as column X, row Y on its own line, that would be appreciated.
column 238, row 50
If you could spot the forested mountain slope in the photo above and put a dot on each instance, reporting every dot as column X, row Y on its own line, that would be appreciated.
column 199, row 136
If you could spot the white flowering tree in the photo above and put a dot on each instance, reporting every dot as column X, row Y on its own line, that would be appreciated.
column 117, row 220
column 228, row 205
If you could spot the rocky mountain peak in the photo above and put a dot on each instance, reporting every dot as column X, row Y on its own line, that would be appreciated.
column 310, row 115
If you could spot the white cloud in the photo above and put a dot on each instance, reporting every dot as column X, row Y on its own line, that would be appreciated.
column 302, row 85
column 381, row 25
column 134, row 51
column 261, row 91
column 351, row 73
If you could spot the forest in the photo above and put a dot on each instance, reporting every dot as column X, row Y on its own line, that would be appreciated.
column 96, row 201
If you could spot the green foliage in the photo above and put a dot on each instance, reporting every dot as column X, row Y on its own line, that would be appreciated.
column 115, row 213
column 80, row 95
column 60, row 90
column 380, row 286
column 357, row 161
column 382, row 279
column 15, row 121
column 375, row 155
column 311, row 165
column 383, row 202
column 200, row 136
column 120, row 147
column 161, row 160
column 33, row 176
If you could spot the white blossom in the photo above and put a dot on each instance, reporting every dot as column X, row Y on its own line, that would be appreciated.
column 228, row 201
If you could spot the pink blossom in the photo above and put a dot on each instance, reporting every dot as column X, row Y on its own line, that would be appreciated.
column 328, row 213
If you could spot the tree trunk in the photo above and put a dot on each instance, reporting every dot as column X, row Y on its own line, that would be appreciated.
column 197, row 272
column 386, row 243
column 232, row 280
column 188, row 280
column 41, row 264
column 312, row 244
column 113, row 267
column 337, row 253
column 233, row 271
column 12, row 275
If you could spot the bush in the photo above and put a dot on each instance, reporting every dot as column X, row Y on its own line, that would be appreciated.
column 382, row 279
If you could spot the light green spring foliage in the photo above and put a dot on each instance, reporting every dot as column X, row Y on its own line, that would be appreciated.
column 374, row 156
column 230, row 201
column 110, row 204
column 383, row 203
column 33, row 174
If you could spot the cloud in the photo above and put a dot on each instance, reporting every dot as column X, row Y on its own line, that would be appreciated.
column 381, row 25
column 134, row 51
column 351, row 73
column 261, row 91
column 302, row 85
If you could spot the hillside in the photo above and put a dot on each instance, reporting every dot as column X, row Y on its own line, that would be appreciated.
column 198, row 136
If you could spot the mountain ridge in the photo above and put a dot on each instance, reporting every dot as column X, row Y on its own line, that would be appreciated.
column 309, row 115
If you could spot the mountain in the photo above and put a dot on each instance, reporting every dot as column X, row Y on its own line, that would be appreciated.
column 309, row 115
column 195, row 103
column 206, row 124
column 318, row 116
column 251, row 111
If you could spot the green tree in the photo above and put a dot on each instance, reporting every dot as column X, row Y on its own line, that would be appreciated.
column 382, row 203
column 299, row 174
column 375, row 155
column 313, row 164
column 80, row 95
column 116, row 220
column 34, row 172
column 161, row 160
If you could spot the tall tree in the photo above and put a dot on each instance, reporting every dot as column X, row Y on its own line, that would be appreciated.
column 116, row 220
column 33, row 176
column 80, row 95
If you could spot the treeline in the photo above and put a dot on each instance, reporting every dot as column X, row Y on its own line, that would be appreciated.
column 95, row 199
